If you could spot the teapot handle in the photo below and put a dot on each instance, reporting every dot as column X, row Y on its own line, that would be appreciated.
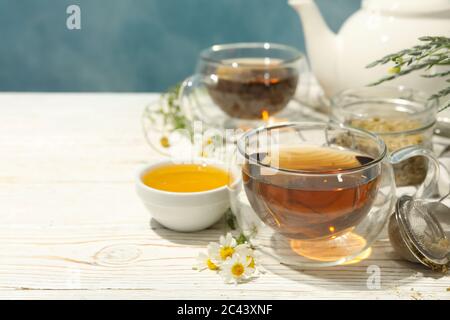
column 429, row 187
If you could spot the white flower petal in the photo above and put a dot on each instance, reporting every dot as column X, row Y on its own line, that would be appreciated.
column 228, row 240
column 201, row 262
column 244, row 250
column 225, row 273
column 232, row 240
column 214, row 252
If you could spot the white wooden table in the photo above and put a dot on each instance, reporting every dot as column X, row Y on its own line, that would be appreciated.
column 67, row 205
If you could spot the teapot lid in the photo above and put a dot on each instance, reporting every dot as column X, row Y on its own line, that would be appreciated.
column 407, row 6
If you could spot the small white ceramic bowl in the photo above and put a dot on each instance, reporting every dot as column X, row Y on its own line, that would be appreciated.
column 183, row 211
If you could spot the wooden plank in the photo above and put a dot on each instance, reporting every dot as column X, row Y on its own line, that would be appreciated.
column 156, row 262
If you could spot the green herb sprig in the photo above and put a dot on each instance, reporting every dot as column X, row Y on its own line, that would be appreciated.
column 434, row 52
column 172, row 114
column 168, row 116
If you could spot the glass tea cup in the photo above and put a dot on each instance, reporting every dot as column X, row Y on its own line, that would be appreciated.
column 239, row 84
column 316, row 194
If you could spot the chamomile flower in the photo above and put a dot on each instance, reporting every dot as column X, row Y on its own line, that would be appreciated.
column 205, row 262
column 236, row 269
column 234, row 262
column 224, row 249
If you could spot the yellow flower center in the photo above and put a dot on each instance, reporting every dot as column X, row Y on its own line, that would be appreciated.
column 252, row 262
column 237, row 270
column 211, row 265
column 226, row 252
column 164, row 142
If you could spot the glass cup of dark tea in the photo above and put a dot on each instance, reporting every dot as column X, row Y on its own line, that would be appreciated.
column 316, row 194
column 242, row 83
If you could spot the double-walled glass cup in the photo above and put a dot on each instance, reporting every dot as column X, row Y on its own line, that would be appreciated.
column 240, row 84
column 316, row 194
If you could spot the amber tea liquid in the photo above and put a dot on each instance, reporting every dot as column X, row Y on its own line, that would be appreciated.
column 319, row 204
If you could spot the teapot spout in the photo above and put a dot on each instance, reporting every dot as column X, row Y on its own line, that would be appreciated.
column 321, row 44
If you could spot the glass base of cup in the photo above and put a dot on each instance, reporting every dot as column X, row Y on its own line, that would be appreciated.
column 344, row 249
column 213, row 116
column 294, row 110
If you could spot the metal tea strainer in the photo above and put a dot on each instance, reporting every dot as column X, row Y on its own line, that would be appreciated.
column 419, row 231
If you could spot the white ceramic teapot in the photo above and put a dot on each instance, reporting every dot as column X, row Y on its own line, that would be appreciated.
column 379, row 28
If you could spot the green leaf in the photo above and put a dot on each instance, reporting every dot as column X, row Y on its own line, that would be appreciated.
column 434, row 51
column 445, row 106
column 439, row 74
column 230, row 220
column 241, row 239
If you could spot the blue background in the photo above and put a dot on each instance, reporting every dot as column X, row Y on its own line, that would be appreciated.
column 135, row 45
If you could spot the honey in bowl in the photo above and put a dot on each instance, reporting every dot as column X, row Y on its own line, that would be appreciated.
column 185, row 178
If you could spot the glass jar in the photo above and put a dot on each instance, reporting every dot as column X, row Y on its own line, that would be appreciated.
column 400, row 116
